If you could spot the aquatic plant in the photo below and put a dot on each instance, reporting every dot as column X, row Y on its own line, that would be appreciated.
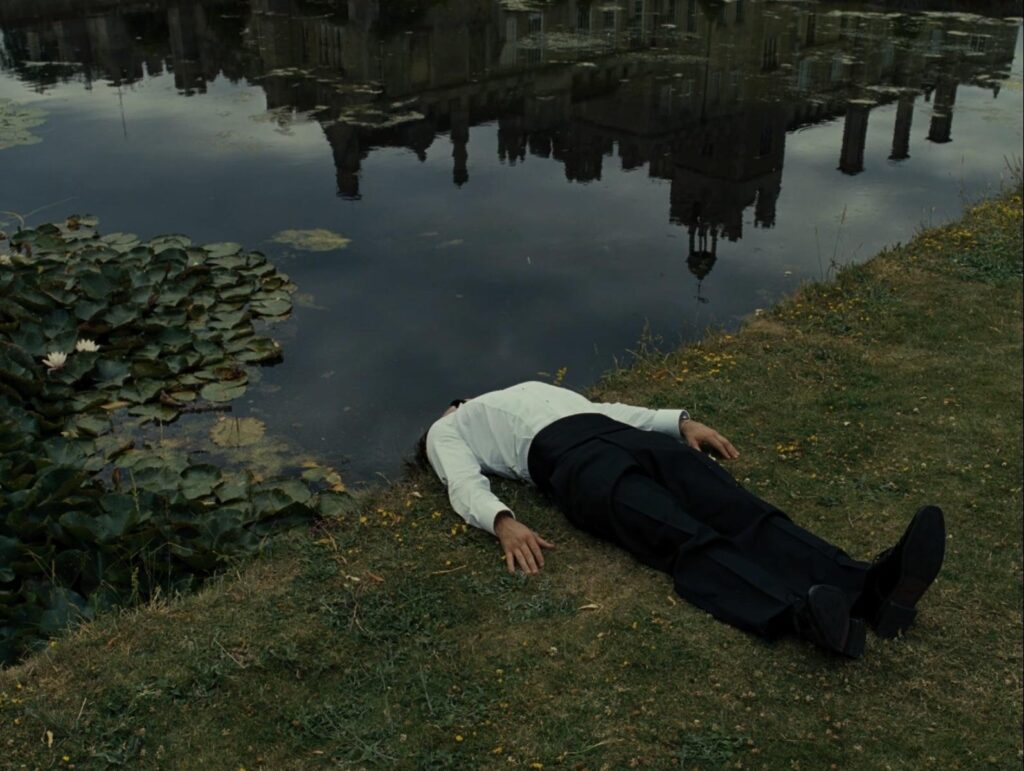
column 100, row 335
column 17, row 122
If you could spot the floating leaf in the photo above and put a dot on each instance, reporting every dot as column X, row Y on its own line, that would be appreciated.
column 199, row 481
column 271, row 307
column 315, row 240
column 237, row 432
column 222, row 392
column 232, row 490
column 222, row 249
column 159, row 412
column 16, row 123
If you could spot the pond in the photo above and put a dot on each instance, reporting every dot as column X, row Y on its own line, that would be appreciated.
column 472, row 193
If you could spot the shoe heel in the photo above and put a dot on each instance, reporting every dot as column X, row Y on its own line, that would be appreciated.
column 893, row 618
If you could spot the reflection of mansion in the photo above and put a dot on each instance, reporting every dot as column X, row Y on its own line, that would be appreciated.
column 700, row 92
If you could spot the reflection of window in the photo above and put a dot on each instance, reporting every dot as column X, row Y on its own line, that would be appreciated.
column 979, row 43
column 837, row 69
column 803, row 78
column 716, row 86
column 583, row 18
column 638, row 9
column 536, row 22
column 812, row 28
column 691, row 16
column 739, row 11
column 608, row 19
column 770, row 55
column 665, row 101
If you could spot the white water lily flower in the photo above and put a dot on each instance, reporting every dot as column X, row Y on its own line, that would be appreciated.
column 54, row 360
column 85, row 345
column 5, row 260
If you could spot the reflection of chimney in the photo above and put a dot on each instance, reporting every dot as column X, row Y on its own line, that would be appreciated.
column 344, row 141
column 855, row 134
column 460, row 155
column 901, row 133
column 511, row 139
column 941, row 128
column 764, row 207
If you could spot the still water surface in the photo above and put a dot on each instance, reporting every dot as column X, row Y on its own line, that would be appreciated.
column 525, row 187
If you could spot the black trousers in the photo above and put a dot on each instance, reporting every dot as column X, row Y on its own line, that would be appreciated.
column 675, row 509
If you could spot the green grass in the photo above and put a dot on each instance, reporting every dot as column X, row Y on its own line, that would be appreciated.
column 392, row 638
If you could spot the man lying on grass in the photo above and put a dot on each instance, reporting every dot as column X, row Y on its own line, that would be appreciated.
column 623, row 474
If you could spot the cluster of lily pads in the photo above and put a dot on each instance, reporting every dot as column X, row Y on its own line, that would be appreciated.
column 100, row 335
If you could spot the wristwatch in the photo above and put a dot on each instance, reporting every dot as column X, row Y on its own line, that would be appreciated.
column 684, row 416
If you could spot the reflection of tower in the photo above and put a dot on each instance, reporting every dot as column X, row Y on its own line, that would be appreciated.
column 185, row 25
column 460, row 155
column 901, row 132
column 701, row 259
column 941, row 126
column 345, row 147
column 855, row 134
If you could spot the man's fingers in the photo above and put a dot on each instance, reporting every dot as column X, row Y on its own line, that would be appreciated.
column 529, row 559
column 733, row 452
column 535, row 548
column 546, row 544
column 694, row 442
column 510, row 561
column 526, row 560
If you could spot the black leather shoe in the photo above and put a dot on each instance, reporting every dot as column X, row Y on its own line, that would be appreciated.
column 825, row 620
column 900, row 576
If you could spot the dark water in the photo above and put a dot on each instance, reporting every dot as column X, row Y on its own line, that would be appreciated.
column 525, row 189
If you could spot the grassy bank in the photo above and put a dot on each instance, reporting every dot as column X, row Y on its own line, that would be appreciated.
column 392, row 638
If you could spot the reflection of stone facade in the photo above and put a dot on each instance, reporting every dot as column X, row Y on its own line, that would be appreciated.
column 700, row 92
column 186, row 38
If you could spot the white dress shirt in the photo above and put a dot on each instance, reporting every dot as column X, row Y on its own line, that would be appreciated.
column 491, row 433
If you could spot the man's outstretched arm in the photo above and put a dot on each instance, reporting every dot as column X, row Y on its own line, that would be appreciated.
column 675, row 423
column 469, row 492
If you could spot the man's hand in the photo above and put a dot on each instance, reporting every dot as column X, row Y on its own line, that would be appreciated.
column 520, row 545
column 697, row 435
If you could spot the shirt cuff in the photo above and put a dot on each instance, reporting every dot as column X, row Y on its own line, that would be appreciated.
column 667, row 422
column 485, row 519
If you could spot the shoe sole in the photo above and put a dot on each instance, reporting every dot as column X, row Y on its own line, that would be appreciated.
column 923, row 552
column 830, row 609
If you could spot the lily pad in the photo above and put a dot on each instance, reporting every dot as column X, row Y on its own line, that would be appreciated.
column 315, row 240
column 223, row 249
column 237, row 432
column 199, row 481
column 222, row 392
column 17, row 122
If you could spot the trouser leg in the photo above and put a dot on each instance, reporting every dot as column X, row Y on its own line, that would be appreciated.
column 707, row 568
column 798, row 558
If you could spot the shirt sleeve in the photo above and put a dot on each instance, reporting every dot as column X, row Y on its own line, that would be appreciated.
column 468, row 489
column 662, row 421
